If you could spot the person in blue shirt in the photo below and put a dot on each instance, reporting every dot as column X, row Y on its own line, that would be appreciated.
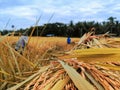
column 68, row 40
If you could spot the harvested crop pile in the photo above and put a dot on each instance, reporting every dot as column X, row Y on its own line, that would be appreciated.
column 75, row 75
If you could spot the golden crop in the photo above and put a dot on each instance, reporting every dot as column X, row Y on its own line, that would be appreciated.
column 20, row 71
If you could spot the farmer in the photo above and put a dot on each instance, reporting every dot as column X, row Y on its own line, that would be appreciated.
column 68, row 40
column 20, row 45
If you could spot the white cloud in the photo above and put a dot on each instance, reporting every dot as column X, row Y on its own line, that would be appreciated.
column 73, row 8
column 20, row 12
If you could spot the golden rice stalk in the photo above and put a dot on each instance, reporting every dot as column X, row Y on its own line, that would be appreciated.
column 42, row 78
column 2, row 67
column 107, row 66
column 7, row 74
column 31, row 83
column 78, row 80
column 33, row 30
column 96, row 55
column 3, row 85
column 98, row 51
column 83, row 38
column 3, row 72
column 22, row 57
column 11, row 67
column 47, row 87
column 104, row 79
column 29, row 78
column 38, row 61
column 70, row 86
column 97, row 43
column 14, row 58
column 55, row 76
column 51, row 84
column 61, row 84
column 98, row 85
column 10, row 82
column 113, row 74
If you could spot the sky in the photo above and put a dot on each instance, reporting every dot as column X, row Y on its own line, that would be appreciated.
column 25, row 13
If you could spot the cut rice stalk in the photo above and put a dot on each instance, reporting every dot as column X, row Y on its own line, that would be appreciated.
column 99, row 86
column 61, row 84
column 28, row 79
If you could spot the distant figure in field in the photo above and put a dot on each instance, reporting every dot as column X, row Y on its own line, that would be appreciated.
column 21, row 43
column 68, row 40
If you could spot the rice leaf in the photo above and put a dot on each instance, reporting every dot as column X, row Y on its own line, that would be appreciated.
column 78, row 80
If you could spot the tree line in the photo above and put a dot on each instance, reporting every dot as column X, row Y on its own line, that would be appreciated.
column 72, row 29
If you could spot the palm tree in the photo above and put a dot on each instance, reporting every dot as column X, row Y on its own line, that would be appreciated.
column 112, row 22
column 111, row 19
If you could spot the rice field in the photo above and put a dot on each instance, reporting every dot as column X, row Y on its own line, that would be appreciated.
column 39, row 48
column 49, row 64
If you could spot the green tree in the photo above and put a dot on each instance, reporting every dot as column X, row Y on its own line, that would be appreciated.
column 112, row 23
